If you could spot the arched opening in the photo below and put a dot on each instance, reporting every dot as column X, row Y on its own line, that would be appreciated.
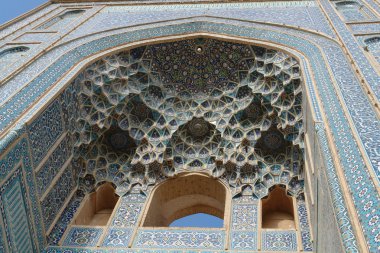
column 278, row 210
column 98, row 207
column 183, row 196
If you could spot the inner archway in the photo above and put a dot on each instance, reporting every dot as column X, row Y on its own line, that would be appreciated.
column 183, row 196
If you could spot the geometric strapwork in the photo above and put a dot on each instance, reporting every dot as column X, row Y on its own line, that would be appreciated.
column 232, row 111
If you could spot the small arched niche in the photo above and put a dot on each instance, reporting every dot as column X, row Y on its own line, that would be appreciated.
column 183, row 196
column 278, row 210
column 98, row 207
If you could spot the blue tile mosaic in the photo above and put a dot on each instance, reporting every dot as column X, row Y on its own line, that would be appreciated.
column 117, row 237
column 365, row 28
column 304, row 225
column 83, row 237
column 278, row 241
column 369, row 73
column 127, row 214
column 244, row 217
column 357, row 174
column 49, row 170
column 177, row 239
column 53, row 202
column 67, row 215
column 44, row 131
column 244, row 240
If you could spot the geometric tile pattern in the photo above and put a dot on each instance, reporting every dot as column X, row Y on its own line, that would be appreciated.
column 14, row 206
column 127, row 214
column 279, row 240
column 44, row 131
column 244, row 217
column 82, row 236
column 243, row 240
column 262, row 96
column 117, row 237
column 176, row 239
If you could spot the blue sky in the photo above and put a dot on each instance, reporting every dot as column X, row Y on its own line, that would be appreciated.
column 11, row 9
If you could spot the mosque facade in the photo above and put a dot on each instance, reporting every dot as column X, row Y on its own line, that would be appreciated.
column 118, row 118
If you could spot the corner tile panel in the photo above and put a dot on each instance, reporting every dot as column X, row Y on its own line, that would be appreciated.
column 117, row 237
column 54, row 200
column 177, row 239
column 83, row 237
column 44, row 131
column 16, row 214
column 278, row 241
column 48, row 171
column 243, row 240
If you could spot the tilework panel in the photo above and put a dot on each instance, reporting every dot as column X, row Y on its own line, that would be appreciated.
column 64, row 220
column 126, row 214
column 373, row 79
column 117, row 237
column 120, row 16
column 54, row 200
column 244, row 240
column 2, row 239
column 35, row 37
column 83, row 237
column 196, row 239
column 365, row 28
column 134, row 198
column 15, row 210
column 341, row 211
column 244, row 217
column 48, row 171
column 304, row 226
column 20, row 154
column 84, row 250
column 45, row 130
column 279, row 241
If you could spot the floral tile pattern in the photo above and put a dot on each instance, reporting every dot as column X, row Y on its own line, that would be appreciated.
column 180, row 239
column 279, row 240
column 117, row 237
column 82, row 237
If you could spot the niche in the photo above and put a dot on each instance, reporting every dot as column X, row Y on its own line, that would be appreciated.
column 98, row 207
column 277, row 210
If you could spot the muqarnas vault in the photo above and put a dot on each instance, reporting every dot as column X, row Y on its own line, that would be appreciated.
column 118, row 118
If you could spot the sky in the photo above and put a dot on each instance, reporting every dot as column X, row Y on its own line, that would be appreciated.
column 11, row 9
